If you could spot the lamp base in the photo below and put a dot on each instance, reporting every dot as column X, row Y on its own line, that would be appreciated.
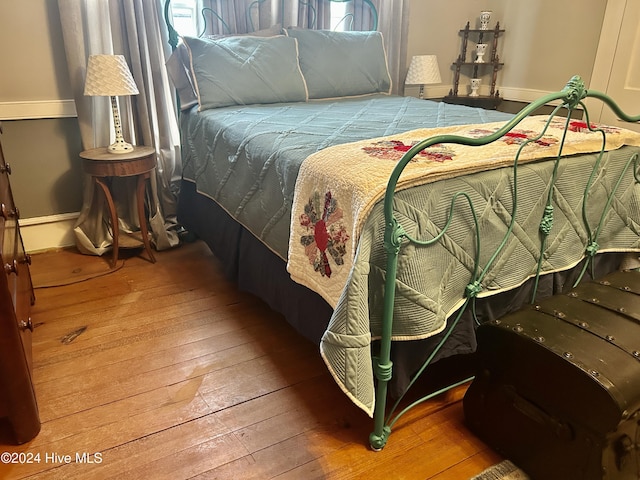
column 120, row 147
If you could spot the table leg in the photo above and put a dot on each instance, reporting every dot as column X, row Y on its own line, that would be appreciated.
column 115, row 229
column 142, row 179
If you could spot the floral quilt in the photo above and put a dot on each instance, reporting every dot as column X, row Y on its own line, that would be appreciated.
column 338, row 186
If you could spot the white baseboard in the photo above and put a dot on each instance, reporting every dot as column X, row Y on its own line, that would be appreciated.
column 47, row 233
column 27, row 110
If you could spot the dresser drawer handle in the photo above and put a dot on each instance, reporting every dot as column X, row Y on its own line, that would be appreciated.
column 11, row 267
column 28, row 325
column 6, row 213
column 6, row 168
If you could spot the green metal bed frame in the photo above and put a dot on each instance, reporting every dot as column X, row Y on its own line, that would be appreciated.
column 570, row 99
column 567, row 101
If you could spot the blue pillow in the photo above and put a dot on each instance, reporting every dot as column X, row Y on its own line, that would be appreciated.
column 342, row 64
column 245, row 70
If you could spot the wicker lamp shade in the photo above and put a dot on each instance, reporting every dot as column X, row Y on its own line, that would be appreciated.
column 423, row 70
column 109, row 75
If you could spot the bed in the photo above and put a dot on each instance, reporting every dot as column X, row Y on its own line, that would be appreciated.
column 385, row 228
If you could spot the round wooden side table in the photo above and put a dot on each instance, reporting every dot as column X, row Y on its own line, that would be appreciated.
column 102, row 165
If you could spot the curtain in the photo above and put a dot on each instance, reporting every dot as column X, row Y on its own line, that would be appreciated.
column 393, row 22
column 133, row 28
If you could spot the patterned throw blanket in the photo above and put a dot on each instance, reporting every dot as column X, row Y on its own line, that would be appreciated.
column 337, row 187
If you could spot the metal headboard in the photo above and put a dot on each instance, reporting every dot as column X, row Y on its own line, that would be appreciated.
column 211, row 15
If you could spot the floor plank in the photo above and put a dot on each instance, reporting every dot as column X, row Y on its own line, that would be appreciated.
column 166, row 370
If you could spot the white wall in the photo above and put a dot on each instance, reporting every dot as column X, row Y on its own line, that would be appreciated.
column 41, row 138
column 546, row 41
column 37, row 83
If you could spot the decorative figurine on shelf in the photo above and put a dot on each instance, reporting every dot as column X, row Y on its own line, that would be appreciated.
column 475, row 85
column 485, row 16
column 481, row 49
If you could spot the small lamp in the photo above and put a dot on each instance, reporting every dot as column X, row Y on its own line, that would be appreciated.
column 109, row 75
column 423, row 70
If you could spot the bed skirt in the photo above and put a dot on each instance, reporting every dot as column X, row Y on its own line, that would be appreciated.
column 256, row 269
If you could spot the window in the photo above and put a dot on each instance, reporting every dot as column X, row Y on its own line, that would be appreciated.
column 184, row 14
column 338, row 13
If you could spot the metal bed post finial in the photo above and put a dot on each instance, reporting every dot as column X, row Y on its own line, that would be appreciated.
column 575, row 91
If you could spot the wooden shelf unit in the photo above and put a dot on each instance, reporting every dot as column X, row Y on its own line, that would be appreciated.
column 476, row 69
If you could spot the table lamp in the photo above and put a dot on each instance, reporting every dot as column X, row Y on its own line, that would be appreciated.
column 423, row 70
column 109, row 76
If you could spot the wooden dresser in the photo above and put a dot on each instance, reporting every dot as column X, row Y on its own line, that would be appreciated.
column 17, row 397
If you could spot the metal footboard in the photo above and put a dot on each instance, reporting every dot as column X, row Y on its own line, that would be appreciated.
column 570, row 99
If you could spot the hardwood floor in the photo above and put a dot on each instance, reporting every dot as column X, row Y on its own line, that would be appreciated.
column 165, row 370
